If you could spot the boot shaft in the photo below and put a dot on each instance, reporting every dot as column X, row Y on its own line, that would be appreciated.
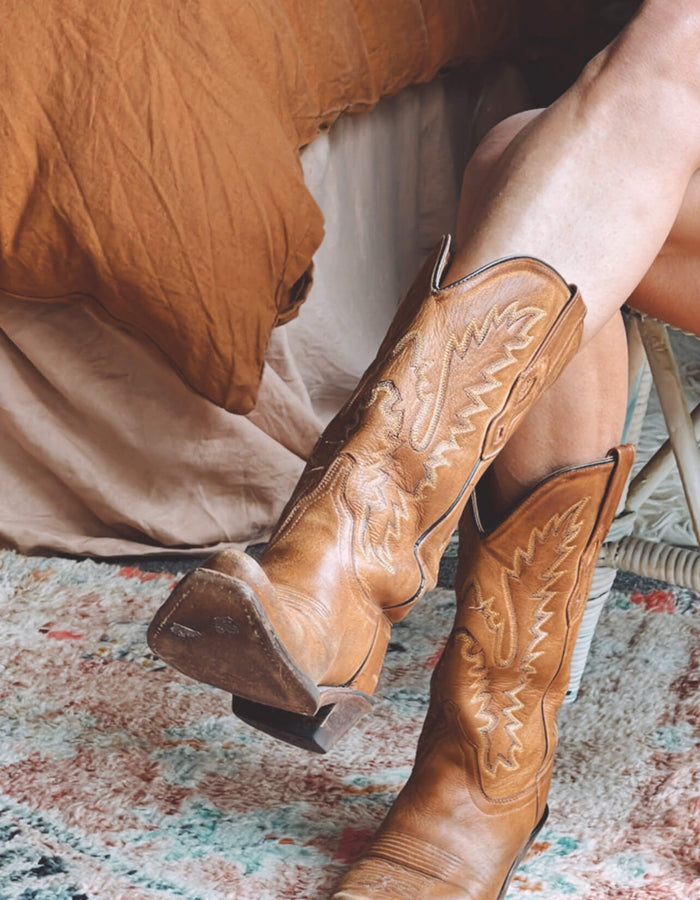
column 458, row 368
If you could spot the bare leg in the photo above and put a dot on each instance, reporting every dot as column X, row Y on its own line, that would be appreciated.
column 582, row 415
column 594, row 184
column 670, row 290
column 576, row 421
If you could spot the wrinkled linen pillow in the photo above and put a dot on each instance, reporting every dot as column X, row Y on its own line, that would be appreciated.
column 149, row 154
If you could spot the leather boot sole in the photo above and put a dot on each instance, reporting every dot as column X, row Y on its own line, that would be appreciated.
column 235, row 648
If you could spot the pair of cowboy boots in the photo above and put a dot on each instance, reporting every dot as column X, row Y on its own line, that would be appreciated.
column 299, row 637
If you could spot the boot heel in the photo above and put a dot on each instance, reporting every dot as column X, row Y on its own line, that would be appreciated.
column 339, row 708
column 317, row 733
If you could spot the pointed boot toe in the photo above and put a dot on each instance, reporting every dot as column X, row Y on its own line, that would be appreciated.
column 381, row 879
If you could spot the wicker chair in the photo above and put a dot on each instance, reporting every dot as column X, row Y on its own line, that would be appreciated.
column 651, row 361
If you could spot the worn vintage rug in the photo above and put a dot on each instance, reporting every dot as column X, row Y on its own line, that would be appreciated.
column 122, row 779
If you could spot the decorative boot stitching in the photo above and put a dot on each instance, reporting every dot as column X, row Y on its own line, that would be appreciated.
column 496, row 710
column 390, row 502
column 387, row 505
column 374, row 878
column 434, row 404
column 527, row 577
column 301, row 602
column 336, row 470
column 514, row 644
column 432, row 399
column 416, row 854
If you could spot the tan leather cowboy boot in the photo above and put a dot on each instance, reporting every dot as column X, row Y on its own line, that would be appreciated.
column 299, row 638
column 477, row 796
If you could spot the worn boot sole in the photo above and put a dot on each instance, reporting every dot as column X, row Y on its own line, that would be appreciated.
column 237, row 650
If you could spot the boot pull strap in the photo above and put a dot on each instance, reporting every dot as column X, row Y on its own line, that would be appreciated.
column 624, row 457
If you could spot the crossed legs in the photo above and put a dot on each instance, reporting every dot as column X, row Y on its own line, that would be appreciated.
column 595, row 182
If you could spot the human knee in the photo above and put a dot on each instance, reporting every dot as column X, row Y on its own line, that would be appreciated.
column 494, row 143
column 644, row 89
column 484, row 162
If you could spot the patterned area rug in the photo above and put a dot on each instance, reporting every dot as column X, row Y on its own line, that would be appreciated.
column 122, row 779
